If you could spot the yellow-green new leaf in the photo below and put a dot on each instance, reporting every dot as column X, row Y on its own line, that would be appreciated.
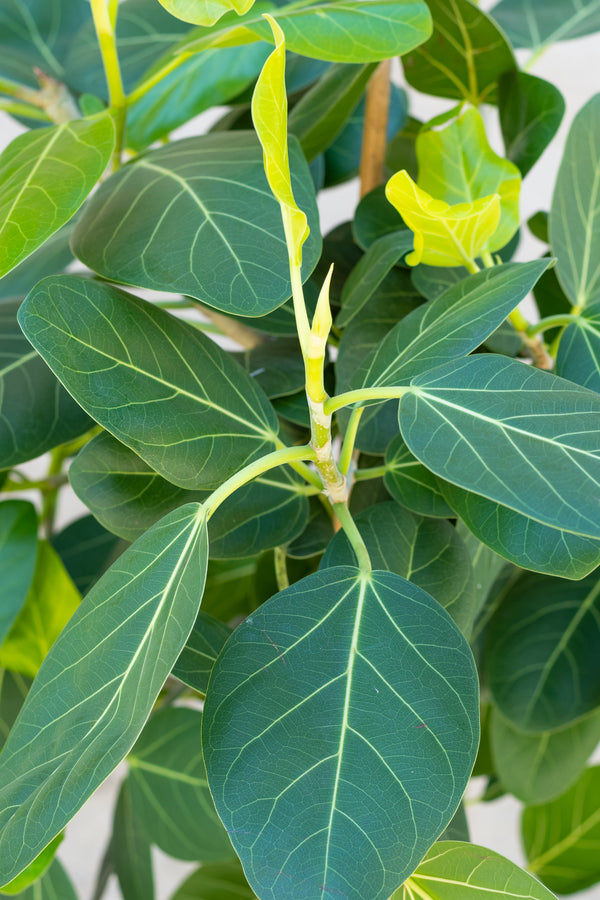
column 444, row 235
column 269, row 113
column 50, row 603
column 204, row 12
column 457, row 165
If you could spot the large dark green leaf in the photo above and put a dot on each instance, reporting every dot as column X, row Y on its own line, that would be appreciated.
column 18, row 549
column 169, row 790
column 486, row 565
column 427, row 552
column 87, row 550
column 197, row 217
column 531, row 111
column 575, row 211
column 216, row 881
column 375, row 217
column 36, row 413
column 127, row 497
column 522, row 540
column 98, row 683
column 349, row 31
column 542, row 651
column 514, row 434
column 196, row 660
column 45, row 176
column 453, row 870
column 465, row 56
column 277, row 366
column 381, row 734
column 529, row 23
column 578, row 357
column 130, row 850
column 411, row 484
column 159, row 385
column 449, row 327
column 370, row 271
column 561, row 837
column 537, row 768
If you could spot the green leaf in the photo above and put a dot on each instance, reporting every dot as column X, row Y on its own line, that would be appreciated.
column 13, row 691
column 51, row 601
column 159, row 385
column 464, row 57
column 531, row 111
column 87, row 550
column 347, row 31
column 561, row 837
column 575, row 210
column 277, row 365
column 375, row 218
column 127, row 497
column 431, row 281
column 578, row 357
column 366, row 730
column 205, row 12
column 36, row 412
column 199, row 219
column 530, row 24
column 444, row 235
column 196, row 660
column 169, row 790
column 229, row 588
column 18, row 549
column 537, row 768
column 216, row 881
column 370, row 271
column 45, row 176
column 52, row 257
column 426, row 552
column 449, row 327
column 411, row 484
column 457, row 165
column 98, row 684
column 522, row 540
column 316, row 535
column 320, row 115
column 511, row 433
column 453, row 869
column 486, row 564
column 54, row 884
column 35, row 870
column 130, row 850
column 542, row 661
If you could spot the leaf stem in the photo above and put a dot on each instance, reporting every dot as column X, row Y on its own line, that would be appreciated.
column 301, row 468
column 349, row 440
column 373, row 472
column 14, row 108
column 251, row 471
column 362, row 395
column 155, row 79
column 281, row 573
column 550, row 322
column 104, row 13
column 353, row 535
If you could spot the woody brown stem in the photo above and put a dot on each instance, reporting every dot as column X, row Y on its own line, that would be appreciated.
column 372, row 160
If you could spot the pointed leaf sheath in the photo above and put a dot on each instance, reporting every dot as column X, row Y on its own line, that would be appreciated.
column 366, row 695
column 97, row 685
column 158, row 385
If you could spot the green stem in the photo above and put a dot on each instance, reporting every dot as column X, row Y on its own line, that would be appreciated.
column 373, row 472
column 158, row 76
column 104, row 13
column 487, row 259
column 24, row 109
column 349, row 440
column 551, row 322
column 362, row 395
column 45, row 485
column 302, row 469
column 471, row 266
column 50, row 498
column 248, row 473
column 353, row 535
column 281, row 573
column 300, row 313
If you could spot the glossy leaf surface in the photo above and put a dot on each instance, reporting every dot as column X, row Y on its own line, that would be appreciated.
column 529, row 24
column 465, row 56
column 199, row 219
column 97, row 685
column 453, row 869
column 45, row 176
column 18, row 549
column 36, row 413
column 536, row 768
column 561, row 837
column 542, row 652
column 330, row 738
column 578, row 356
column 575, row 211
column 169, row 790
column 540, row 457
column 531, row 111
column 198, row 657
column 411, row 484
column 160, row 386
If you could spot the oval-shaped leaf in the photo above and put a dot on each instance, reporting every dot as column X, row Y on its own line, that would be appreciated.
column 45, row 176
column 561, row 837
column 18, row 550
column 196, row 660
column 531, row 111
column 98, row 683
column 514, row 434
column 381, row 733
column 578, row 356
column 542, row 652
column 36, row 412
column 453, row 870
column 197, row 217
column 411, row 484
column 160, row 386
column 575, row 211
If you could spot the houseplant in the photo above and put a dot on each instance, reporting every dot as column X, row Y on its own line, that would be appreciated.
column 385, row 500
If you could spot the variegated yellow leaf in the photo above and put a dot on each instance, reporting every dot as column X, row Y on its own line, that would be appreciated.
column 205, row 12
column 444, row 235
column 269, row 113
